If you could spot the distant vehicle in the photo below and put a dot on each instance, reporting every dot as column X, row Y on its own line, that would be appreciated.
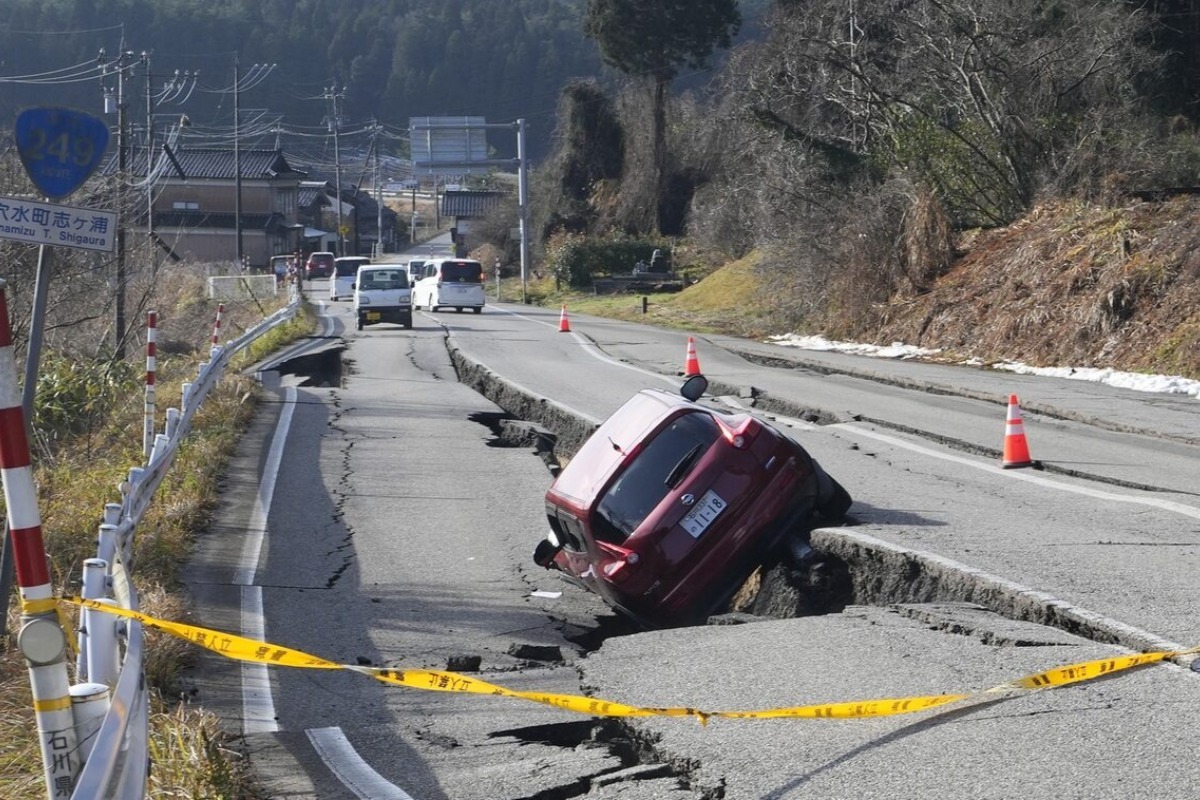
column 416, row 268
column 451, row 283
column 279, row 266
column 341, row 278
column 669, row 505
column 382, row 294
column 319, row 264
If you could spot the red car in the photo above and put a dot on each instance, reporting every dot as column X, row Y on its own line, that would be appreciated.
column 669, row 505
column 319, row 264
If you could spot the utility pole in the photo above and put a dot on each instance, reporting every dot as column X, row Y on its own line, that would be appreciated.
column 124, row 61
column 375, row 129
column 332, row 94
column 237, row 161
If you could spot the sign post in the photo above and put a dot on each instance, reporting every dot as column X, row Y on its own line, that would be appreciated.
column 60, row 148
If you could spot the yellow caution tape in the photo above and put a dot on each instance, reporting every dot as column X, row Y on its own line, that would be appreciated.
column 243, row 649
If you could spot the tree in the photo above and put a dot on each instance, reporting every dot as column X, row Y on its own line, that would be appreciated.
column 652, row 39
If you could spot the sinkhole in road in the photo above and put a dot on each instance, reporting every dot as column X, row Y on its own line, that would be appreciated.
column 823, row 570
column 321, row 367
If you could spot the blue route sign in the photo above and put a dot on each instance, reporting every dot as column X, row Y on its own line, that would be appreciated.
column 60, row 147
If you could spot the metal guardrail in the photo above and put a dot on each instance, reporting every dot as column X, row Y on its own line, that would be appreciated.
column 113, row 726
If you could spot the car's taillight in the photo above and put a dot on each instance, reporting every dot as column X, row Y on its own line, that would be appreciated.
column 741, row 435
column 615, row 570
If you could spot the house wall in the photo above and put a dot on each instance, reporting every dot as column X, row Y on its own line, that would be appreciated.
column 219, row 244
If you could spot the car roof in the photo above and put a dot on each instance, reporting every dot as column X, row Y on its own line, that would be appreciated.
column 604, row 451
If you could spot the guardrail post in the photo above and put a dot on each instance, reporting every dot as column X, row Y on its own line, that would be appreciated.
column 106, row 542
column 172, row 422
column 95, row 586
column 89, row 704
column 41, row 639
column 103, row 655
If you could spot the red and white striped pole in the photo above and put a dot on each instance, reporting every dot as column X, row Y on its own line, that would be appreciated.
column 151, row 368
column 41, row 639
column 216, row 337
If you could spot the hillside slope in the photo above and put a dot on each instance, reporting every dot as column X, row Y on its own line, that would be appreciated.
column 1069, row 285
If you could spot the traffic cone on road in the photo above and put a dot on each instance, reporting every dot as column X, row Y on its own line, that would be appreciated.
column 691, row 366
column 563, row 325
column 1016, row 449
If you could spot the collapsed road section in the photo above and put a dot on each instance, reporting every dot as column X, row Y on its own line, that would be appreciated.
column 837, row 566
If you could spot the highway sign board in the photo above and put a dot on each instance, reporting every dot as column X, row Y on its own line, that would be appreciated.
column 59, row 147
column 62, row 226
column 449, row 145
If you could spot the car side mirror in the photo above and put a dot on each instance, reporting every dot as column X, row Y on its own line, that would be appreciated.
column 544, row 553
column 694, row 387
column 353, row 287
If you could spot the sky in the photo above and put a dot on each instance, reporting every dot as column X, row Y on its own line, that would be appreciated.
column 1163, row 384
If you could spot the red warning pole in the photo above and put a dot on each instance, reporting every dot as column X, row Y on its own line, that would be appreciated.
column 216, row 337
column 41, row 639
column 151, row 368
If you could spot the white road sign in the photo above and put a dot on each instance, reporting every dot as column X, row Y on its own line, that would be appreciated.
column 60, row 226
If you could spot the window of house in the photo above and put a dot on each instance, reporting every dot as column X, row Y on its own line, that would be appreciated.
column 185, row 205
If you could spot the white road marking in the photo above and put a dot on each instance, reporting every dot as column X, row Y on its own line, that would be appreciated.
column 594, row 351
column 258, row 702
column 1028, row 477
column 356, row 774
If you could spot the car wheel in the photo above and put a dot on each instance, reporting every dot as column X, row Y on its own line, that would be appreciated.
column 458, row 309
column 477, row 310
column 834, row 503
column 360, row 323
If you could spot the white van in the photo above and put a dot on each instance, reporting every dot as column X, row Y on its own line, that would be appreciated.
column 416, row 270
column 382, row 294
column 451, row 282
column 341, row 277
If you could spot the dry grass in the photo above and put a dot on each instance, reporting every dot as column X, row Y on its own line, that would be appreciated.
column 724, row 301
column 1070, row 285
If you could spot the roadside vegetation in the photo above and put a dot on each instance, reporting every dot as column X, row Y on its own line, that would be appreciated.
column 1001, row 181
column 88, row 423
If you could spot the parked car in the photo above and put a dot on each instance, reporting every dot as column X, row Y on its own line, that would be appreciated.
column 670, row 505
column 319, row 264
column 451, row 282
column 381, row 294
column 341, row 277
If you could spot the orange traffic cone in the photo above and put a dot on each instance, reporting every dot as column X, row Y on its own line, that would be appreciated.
column 1016, row 449
column 563, row 325
column 692, row 365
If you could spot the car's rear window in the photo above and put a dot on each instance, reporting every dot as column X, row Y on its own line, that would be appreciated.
column 661, row 465
column 462, row 272
column 383, row 279
column 347, row 267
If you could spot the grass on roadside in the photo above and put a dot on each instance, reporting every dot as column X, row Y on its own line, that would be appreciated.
column 76, row 473
column 724, row 301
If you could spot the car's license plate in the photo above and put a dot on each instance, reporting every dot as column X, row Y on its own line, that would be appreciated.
column 702, row 515
column 373, row 316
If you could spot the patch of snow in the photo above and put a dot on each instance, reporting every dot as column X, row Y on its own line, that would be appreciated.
column 897, row 350
column 1164, row 384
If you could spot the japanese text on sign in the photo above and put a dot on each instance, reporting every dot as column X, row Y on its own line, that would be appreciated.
column 62, row 226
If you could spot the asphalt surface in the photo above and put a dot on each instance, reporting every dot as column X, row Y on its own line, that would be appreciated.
column 935, row 536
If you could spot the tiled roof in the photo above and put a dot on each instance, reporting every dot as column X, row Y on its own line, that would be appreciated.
column 201, row 163
column 469, row 204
